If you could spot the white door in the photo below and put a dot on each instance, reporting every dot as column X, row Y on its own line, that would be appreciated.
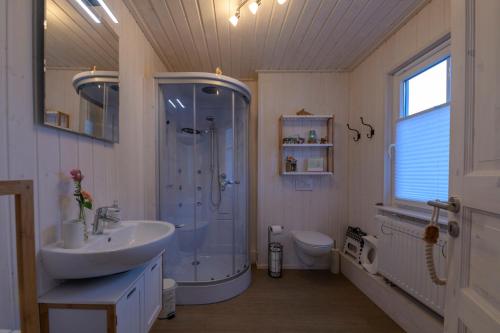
column 473, row 289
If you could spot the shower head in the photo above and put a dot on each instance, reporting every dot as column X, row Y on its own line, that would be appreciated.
column 210, row 118
column 210, row 90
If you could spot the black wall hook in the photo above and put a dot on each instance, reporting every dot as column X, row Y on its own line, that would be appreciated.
column 357, row 136
column 372, row 131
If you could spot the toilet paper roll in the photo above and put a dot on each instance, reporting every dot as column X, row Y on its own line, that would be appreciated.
column 276, row 229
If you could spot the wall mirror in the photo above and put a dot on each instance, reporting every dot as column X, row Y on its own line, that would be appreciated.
column 18, row 296
column 76, row 75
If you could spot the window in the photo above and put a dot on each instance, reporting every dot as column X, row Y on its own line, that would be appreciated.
column 422, row 133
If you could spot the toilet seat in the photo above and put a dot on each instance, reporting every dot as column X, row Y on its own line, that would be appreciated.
column 313, row 239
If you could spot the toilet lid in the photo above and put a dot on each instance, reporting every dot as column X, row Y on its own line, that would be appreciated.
column 313, row 238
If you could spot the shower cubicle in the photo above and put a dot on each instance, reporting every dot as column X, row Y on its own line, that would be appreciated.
column 203, row 183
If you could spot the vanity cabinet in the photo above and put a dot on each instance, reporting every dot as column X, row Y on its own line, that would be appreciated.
column 128, row 302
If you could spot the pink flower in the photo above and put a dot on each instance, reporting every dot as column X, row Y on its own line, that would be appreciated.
column 76, row 174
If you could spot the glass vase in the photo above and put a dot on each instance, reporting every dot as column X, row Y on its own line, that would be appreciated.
column 83, row 220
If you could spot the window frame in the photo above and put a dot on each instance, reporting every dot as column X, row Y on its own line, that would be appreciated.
column 398, row 111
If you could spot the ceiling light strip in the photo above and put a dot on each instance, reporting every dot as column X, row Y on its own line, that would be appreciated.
column 182, row 105
column 108, row 11
column 88, row 11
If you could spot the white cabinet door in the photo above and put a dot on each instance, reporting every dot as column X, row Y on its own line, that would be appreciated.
column 129, row 310
column 153, row 292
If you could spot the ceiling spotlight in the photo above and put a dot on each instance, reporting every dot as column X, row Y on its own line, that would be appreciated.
column 234, row 19
column 281, row 2
column 254, row 6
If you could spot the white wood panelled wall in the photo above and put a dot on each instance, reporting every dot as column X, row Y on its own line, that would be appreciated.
column 62, row 95
column 29, row 151
column 323, row 209
column 368, row 93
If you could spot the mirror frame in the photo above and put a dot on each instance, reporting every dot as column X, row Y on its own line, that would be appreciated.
column 39, row 72
column 22, row 190
column 38, row 60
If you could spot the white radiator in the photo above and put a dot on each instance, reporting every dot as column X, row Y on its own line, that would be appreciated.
column 401, row 260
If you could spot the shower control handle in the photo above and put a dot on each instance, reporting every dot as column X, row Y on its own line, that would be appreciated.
column 224, row 181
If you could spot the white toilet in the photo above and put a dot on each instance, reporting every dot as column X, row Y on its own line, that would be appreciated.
column 311, row 245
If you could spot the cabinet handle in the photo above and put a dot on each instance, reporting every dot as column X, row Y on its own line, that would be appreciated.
column 131, row 292
column 154, row 266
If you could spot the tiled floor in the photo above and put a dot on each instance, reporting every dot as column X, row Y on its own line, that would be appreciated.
column 301, row 301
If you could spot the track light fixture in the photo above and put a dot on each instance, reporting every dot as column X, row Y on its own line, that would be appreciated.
column 253, row 7
column 234, row 19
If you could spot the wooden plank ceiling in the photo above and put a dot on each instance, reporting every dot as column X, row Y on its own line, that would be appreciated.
column 74, row 41
column 195, row 35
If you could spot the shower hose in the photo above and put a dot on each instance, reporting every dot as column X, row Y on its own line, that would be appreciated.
column 431, row 236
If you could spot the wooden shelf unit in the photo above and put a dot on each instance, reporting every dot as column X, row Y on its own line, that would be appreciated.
column 306, row 145
column 307, row 173
column 324, row 126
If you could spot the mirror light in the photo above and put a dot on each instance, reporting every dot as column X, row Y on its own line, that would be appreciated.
column 281, row 2
column 108, row 11
column 88, row 11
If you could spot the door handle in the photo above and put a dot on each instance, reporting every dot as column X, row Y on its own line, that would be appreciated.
column 452, row 205
column 131, row 293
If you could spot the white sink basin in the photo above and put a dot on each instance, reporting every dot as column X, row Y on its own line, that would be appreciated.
column 122, row 248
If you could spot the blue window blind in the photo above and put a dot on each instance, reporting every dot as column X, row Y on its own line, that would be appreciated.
column 422, row 156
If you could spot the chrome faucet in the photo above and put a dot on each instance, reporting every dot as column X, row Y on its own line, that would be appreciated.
column 104, row 214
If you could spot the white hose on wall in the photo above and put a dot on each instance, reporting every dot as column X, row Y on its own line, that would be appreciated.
column 431, row 267
column 430, row 237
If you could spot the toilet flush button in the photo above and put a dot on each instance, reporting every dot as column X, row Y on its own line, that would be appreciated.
column 304, row 184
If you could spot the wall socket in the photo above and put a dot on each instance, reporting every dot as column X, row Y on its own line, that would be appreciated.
column 304, row 184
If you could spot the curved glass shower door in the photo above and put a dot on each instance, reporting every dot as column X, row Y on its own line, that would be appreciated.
column 203, row 180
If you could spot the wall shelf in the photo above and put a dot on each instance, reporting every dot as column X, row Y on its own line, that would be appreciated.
column 300, row 125
column 307, row 117
column 307, row 145
column 307, row 173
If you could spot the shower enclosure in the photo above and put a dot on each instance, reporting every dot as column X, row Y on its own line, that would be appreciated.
column 99, row 102
column 203, row 183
